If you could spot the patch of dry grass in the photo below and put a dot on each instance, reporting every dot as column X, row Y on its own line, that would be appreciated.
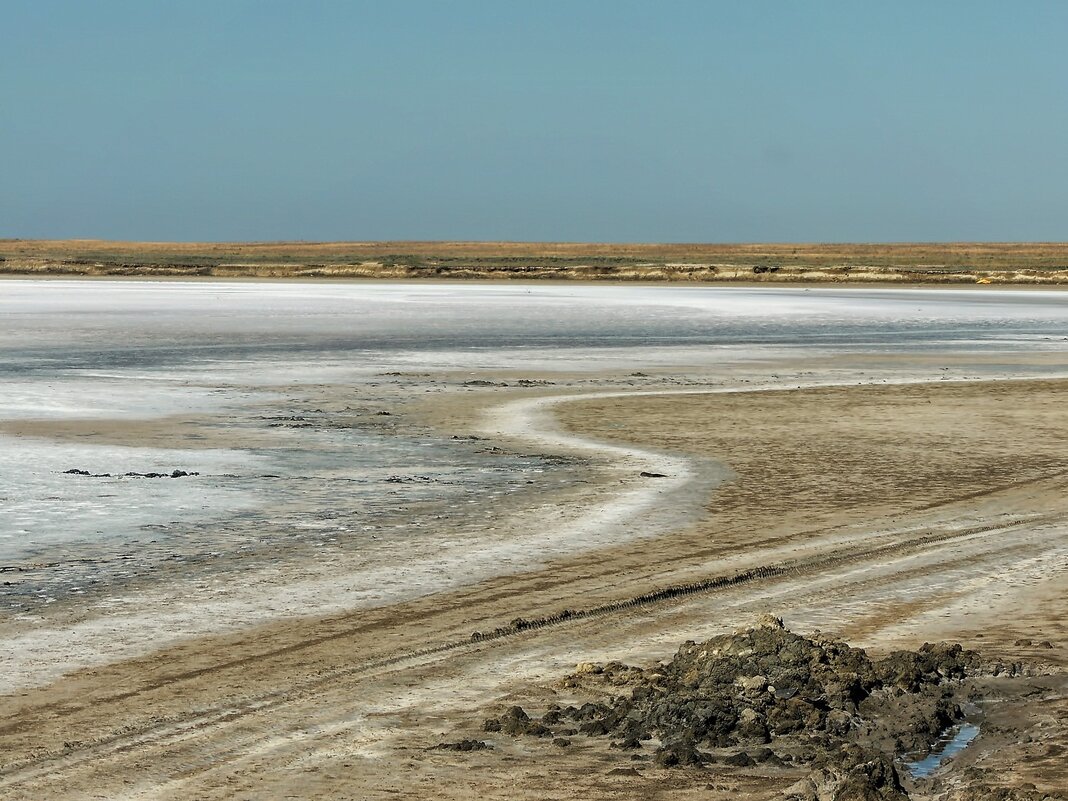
column 1016, row 263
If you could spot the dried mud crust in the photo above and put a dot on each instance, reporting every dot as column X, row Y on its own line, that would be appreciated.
column 767, row 698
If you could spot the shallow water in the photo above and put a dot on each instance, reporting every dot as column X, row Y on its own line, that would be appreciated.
column 948, row 746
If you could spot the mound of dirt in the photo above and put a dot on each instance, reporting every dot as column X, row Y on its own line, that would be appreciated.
column 768, row 697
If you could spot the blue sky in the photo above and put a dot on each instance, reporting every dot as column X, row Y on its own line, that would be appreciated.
column 540, row 120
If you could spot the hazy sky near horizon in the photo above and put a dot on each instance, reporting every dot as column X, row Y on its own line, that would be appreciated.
column 593, row 120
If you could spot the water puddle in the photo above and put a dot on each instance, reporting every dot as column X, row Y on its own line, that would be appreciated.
column 952, row 742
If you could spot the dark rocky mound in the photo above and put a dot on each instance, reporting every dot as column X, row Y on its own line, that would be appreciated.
column 768, row 696
column 516, row 721
column 463, row 745
column 859, row 775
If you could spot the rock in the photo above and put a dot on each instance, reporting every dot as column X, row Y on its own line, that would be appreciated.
column 628, row 743
column 804, row 790
column 589, row 711
column 876, row 775
column 860, row 783
column 679, row 753
column 838, row 722
column 648, row 474
column 751, row 726
column 594, row 728
column 463, row 745
column 751, row 683
column 739, row 760
column 931, row 664
column 765, row 691
column 765, row 756
column 561, row 742
column 516, row 722
column 766, row 621
column 552, row 716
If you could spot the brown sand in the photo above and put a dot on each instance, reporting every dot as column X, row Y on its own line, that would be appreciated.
column 1027, row 263
column 911, row 513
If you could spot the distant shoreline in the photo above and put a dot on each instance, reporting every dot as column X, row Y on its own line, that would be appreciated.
column 956, row 264
column 740, row 284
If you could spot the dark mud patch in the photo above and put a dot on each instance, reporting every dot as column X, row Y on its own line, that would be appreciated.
column 813, row 711
column 463, row 746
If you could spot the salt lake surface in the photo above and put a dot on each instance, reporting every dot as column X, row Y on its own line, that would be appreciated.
column 286, row 398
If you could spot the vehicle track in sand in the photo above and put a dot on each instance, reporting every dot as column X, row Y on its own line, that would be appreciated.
column 183, row 723
column 173, row 730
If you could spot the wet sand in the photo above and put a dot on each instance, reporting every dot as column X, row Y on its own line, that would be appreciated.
column 907, row 512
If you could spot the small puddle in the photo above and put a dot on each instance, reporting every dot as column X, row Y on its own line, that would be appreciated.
column 952, row 742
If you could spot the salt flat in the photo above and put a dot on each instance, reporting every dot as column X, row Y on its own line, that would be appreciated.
column 370, row 452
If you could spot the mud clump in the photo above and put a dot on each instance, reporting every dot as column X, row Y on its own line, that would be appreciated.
column 767, row 683
column 871, row 778
column 768, row 697
column 464, row 745
column 74, row 471
column 682, row 752
column 516, row 722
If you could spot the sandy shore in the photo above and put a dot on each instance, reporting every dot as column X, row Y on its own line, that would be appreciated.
column 908, row 513
column 617, row 506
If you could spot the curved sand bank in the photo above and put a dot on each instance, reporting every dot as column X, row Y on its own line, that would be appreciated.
column 334, row 708
column 618, row 506
column 348, row 706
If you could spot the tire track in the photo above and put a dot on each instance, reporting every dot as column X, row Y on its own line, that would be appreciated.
column 177, row 728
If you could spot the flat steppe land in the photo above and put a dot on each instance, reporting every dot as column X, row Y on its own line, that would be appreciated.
column 940, row 263
column 886, row 515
